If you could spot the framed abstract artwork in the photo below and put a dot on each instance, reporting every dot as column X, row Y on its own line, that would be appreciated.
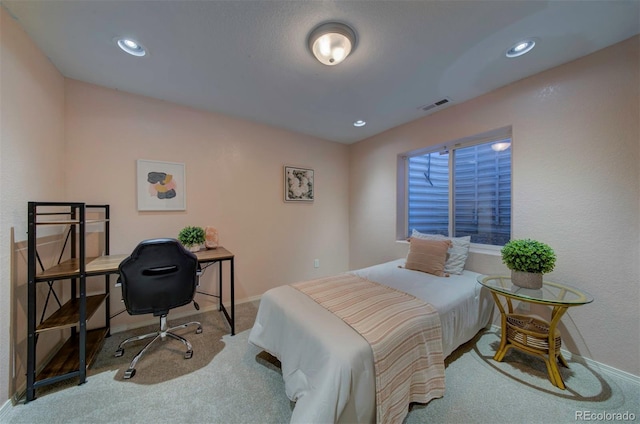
column 161, row 186
column 298, row 184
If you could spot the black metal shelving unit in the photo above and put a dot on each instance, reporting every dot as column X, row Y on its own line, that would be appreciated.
column 78, row 352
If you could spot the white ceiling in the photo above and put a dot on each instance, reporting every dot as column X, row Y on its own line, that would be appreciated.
column 250, row 59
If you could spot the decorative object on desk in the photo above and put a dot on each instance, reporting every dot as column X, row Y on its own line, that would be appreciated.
column 192, row 238
column 298, row 184
column 211, row 237
column 528, row 260
column 161, row 186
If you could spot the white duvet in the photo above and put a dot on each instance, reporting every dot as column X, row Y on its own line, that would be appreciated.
column 328, row 367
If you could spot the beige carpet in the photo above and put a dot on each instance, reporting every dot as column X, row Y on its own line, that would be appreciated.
column 230, row 381
column 165, row 361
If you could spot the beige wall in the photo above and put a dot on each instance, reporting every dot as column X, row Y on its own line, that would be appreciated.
column 31, row 167
column 234, row 175
column 576, row 156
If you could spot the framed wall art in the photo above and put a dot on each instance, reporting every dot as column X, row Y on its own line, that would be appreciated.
column 298, row 184
column 161, row 186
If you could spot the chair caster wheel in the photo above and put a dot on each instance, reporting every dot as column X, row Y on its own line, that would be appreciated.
column 119, row 353
column 199, row 330
column 129, row 373
column 188, row 354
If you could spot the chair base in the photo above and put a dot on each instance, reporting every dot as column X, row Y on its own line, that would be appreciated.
column 161, row 334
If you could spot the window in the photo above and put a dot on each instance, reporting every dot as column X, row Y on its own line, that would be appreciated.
column 470, row 182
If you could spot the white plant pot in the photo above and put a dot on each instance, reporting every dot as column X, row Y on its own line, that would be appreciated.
column 527, row 280
column 195, row 248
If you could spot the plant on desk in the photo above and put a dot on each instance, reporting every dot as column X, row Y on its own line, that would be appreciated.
column 528, row 260
column 192, row 238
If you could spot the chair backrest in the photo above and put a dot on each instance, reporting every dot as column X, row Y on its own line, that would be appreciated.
column 159, row 275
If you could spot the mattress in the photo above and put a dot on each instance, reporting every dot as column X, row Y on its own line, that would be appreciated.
column 327, row 367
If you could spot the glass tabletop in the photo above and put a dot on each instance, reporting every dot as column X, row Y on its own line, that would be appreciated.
column 551, row 293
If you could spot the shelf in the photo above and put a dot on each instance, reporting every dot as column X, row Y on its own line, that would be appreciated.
column 66, row 360
column 69, row 314
column 532, row 333
column 81, row 347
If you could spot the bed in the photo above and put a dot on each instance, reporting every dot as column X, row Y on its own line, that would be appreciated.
column 327, row 366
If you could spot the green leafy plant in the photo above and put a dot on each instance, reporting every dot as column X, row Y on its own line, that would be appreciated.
column 528, row 255
column 191, row 236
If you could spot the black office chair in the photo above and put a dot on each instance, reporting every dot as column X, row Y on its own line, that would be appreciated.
column 159, row 275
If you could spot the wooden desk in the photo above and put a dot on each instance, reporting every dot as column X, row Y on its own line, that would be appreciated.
column 109, row 265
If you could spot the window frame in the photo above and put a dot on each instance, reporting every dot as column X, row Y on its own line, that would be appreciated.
column 402, row 191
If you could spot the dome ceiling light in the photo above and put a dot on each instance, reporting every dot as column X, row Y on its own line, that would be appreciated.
column 332, row 42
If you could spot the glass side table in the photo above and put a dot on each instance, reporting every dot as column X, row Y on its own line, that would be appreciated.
column 532, row 334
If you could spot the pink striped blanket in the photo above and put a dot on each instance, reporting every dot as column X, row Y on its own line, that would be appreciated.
column 403, row 331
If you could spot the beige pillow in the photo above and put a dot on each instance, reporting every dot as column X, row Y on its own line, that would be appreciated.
column 428, row 256
column 458, row 251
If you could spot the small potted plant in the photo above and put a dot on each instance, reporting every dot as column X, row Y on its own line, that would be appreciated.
column 192, row 238
column 528, row 260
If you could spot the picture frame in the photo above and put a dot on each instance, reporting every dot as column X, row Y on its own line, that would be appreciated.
column 161, row 186
column 298, row 184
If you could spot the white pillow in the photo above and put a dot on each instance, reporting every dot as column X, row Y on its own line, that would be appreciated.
column 458, row 251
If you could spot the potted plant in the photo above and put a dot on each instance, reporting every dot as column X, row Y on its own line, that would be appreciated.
column 192, row 238
column 528, row 260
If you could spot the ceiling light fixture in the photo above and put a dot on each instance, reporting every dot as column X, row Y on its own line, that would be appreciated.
column 130, row 46
column 332, row 42
column 359, row 123
column 521, row 48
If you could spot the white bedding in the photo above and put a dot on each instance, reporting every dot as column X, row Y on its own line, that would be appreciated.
column 328, row 367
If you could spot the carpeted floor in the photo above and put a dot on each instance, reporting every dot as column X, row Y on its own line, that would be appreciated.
column 165, row 361
column 230, row 381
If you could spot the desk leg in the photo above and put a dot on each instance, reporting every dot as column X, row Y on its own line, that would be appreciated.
column 233, row 303
column 230, row 319
column 220, row 285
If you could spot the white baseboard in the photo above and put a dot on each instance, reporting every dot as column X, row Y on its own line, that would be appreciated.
column 607, row 369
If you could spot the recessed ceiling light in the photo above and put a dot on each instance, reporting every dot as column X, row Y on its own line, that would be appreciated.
column 521, row 48
column 130, row 46
column 359, row 123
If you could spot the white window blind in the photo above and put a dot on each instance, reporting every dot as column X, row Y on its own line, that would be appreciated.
column 481, row 193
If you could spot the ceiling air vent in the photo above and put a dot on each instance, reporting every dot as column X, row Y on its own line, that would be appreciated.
column 433, row 105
